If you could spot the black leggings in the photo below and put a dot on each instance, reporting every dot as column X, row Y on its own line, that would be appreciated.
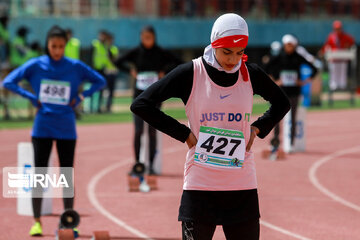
column 249, row 230
column 294, row 101
column 110, row 80
column 139, row 130
column 42, row 150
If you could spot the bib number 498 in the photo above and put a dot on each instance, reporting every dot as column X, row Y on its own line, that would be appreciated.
column 55, row 90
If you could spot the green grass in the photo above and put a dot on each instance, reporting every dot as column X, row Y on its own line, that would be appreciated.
column 176, row 112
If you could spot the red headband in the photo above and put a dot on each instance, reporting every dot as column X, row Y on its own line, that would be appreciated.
column 231, row 41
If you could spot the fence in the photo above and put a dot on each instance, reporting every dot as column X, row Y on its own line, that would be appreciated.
column 189, row 8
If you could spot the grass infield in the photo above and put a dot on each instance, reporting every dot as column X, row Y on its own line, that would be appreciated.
column 173, row 108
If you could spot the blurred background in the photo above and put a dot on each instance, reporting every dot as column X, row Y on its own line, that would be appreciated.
column 183, row 27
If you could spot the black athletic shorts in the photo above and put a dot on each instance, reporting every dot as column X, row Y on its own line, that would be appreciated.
column 219, row 207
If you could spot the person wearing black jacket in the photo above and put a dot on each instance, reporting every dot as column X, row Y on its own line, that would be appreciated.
column 217, row 91
column 149, row 63
column 285, row 71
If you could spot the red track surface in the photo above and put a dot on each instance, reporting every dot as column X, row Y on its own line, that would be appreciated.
column 312, row 195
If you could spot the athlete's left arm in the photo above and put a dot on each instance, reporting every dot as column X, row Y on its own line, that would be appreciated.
column 313, row 68
column 89, row 74
column 267, row 89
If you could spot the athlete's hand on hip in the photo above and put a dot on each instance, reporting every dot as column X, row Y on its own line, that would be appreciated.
column 253, row 133
column 78, row 99
column 191, row 141
column 161, row 74
column 35, row 102
column 303, row 83
column 133, row 73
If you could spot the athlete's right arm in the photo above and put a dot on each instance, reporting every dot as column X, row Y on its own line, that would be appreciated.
column 122, row 61
column 272, row 68
column 23, row 72
column 177, row 84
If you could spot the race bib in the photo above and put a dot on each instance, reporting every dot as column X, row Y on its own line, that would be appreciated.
column 288, row 78
column 55, row 92
column 220, row 148
column 145, row 79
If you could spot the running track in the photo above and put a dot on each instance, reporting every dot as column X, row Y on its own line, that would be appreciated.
column 312, row 195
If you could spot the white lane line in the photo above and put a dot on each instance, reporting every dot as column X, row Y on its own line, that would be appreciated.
column 98, row 147
column 314, row 180
column 282, row 230
column 94, row 201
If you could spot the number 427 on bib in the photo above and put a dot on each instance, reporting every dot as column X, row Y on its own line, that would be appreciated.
column 220, row 147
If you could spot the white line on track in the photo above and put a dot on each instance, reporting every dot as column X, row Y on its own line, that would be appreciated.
column 94, row 201
column 314, row 180
column 282, row 230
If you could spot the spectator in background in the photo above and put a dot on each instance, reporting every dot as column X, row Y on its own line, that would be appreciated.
column 4, row 63
column 72, row 49
column 285, row 71
column 337, row 40
column 34, row 51
column 4, row 39
column 19, row 55
column 110, row 71
column 275, row 48
column 150, row 62
column 19, row 48
column 100, row 59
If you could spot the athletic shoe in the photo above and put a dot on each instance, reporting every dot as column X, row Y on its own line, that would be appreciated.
column 36, row 230
column 273, row 156
column 292, row 149
column 144, row 187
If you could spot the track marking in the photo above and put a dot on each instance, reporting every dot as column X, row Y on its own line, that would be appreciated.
column 324, row 190
column 94, row 201
column 101, row 147
column 282, row 230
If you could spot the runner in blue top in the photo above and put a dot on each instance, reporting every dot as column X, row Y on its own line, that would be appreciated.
column 55, row 81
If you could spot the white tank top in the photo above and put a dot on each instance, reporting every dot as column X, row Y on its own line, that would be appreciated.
column 228, row 108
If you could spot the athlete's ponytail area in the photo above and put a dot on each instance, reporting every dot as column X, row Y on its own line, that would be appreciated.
column 229, row 30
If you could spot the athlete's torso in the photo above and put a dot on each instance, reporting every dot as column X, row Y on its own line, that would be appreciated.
column 224, row 108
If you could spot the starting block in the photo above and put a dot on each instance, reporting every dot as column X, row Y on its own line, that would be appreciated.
column 274, row 155
column 65, row 234
column 152, row 181
column 101, row 235
column 69, row 220
column 139, row 182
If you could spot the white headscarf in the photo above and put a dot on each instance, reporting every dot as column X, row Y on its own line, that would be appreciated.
column 226, row 25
